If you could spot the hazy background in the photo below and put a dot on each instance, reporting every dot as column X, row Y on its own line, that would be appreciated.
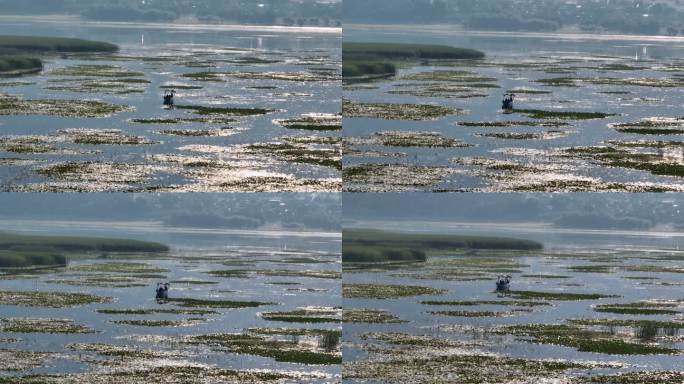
column 593, row 16
column 264, row 12
column 607, row 211
column 278, row 211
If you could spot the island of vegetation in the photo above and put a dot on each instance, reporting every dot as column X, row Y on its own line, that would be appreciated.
column 372, row 246
column 373, row 60
column 28, row 251
column 19, row 54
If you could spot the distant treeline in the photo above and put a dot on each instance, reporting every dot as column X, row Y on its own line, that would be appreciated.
column 22, row 251
column 626, row 16
column 307, row 12
column 361, row 245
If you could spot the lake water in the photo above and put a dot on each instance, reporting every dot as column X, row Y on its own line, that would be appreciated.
column 194, row 253
column 290, row 72
column 631, row 78
column 638, row 267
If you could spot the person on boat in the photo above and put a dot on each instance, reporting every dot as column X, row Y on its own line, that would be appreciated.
column 507, row 103
column 168, row 97
column 162, row 291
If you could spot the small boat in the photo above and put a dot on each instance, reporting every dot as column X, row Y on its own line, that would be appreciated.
column 507, row 103
column 168, row 98
column 162, row 291
column 503, row 283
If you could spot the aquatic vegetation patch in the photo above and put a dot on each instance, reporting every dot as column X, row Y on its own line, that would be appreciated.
column 449, row 75
column 409, row 139
column 49, row 299
column 446, row 91
column 549, row 135
column 291, row 151
column 639, row 308
column 507, row 124
column 224, row 111
column 217, row 132
column 155, row 311
column 277, row 76
column 558, row 296
column 418, row 367
column 562, row 115
column 102, row 137
column 36, row 325
column 209, row 303
column 182, row 120
column 652, row 126
column 307, row 315
column 469, row 313
column 638, row 82
column 646, row 377
column 12, row 105
column 161, row 323
column 179, row 372
column 117, row 86
column 386, row 291
column 313, row 122
column 469, row 303
column 559, row 82
column 118, row 267
column 284, row 351
column 370, row 316
column 392, row 177
column 583, row 340
column 12, row 360
column 390, row 111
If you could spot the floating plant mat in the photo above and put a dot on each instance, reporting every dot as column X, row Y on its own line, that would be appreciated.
column 17, row 361
column 386, row 291
column 34, row 325
column 306, row 315
column 313, row 122
column 370, row 316
column 585, row 340
column 323, row 351
column 549, row 135
column 49, row 299
column 652, row 126
column 392, row 177
column 172, row 371
column 408, row 139
column 13, row 105
column 396, row 111
column 280, row 76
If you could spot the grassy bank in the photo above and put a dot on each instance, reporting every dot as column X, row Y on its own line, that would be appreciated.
column 43, row 45
column 399, row 51
column 376, row 60
column 25, row 251
column 17, row 65
column 371, row 246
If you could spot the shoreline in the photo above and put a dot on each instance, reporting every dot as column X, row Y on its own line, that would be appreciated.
column 71, row 20
column 447, row 29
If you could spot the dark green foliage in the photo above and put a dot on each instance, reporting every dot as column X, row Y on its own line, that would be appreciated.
column 41, row 45
column 398, row 51
column 377, row 246
column 20, row 64
column 360, row 68
column 21, row 251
